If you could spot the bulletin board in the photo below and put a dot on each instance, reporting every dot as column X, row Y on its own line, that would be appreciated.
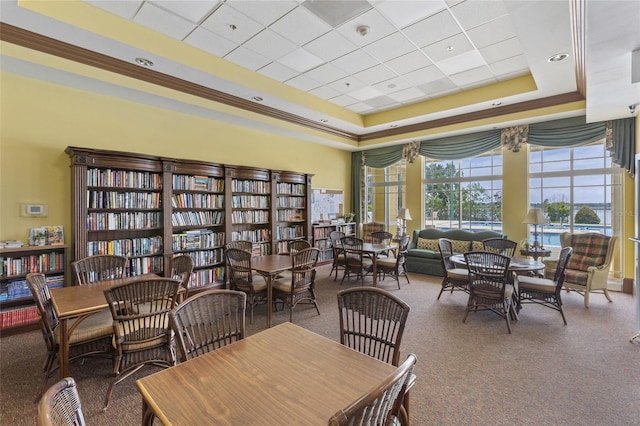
column 326, row 204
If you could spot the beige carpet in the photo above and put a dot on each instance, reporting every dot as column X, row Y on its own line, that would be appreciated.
column 585, row 373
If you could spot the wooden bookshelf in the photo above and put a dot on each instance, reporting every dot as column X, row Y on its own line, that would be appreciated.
column 321, row 240
column 18, row 312
column 184, row 206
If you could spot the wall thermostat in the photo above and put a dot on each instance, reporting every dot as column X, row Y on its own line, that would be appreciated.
column 33, row 209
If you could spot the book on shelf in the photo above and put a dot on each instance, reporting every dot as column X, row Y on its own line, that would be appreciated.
column 46, row 236
column 11, row 244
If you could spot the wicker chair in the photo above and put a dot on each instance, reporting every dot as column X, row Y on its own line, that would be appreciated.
column 240, row 245
column 544, row 291
column 182, row 269
column 382, row 237
column 380, row 405
column 338, row 253
column 355, row 260
column 99, row 268
column 396, row 267
column 241, row 278
column 140, row 311
column 453, row 278
column 501, row 246
column 300, row 288
column 92, row 336
column 60, row 405
column 207, row 321
column 489, row 284
column 297, row 245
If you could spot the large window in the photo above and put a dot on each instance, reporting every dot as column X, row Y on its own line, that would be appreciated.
column 577, row 188
column 385, row 193
column 464, row 194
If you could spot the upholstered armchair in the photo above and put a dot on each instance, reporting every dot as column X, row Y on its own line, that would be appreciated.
column 588, row 269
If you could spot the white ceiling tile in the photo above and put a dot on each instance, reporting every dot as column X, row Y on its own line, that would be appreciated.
column 355, row 61
column 424, row 75
column 330, row 46
column 460, row 63
column 366, row 92
column 501, row 50
column 516, row 64
column 270, row 44
column 232, row 25
column 164, row 22
column 265, row 12
column 324, row 92
column 247, row 58
column 359, row 107
column 379, row 27
column 472, row 13
column 448, row 48
column 194, row 11
column 389, row 47
column 492, row 32
column 210, row 42
column 392, row 85
column 375, row 75
column 327, row 73
column 405, row 12
column 409, row 94
column 123, row 8
column 303, row 82
column 409, row 62
column 300, row 60
column 347, row 85
column 277, row 71
column 437, row 87
column 433, row 29
column 300, row 26
column 380, row 102
column 472, row 77
column 343, row 100
column 335, row 13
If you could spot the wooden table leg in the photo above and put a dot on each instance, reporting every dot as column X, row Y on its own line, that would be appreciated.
column 63, row 348
column 269, row 280
column 147, row 414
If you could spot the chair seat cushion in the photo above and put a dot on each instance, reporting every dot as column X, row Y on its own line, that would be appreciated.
column 258, row 286
column 458, row 274
column 536, row 284
column 93, row 327
column 575, row 277
column 387, row 263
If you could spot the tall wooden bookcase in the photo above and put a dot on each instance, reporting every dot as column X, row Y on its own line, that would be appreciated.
column 153, row 208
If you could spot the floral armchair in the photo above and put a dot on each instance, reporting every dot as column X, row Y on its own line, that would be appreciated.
column 588, row 267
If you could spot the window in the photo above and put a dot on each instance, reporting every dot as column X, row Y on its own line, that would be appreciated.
column 464, row 194
column 577, row 188
column 385, row 193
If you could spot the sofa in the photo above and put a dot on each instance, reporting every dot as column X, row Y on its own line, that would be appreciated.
column 423, row 255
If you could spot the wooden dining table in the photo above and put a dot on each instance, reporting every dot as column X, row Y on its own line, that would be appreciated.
column 78, row 302
column 270, row 266
column 284, row 375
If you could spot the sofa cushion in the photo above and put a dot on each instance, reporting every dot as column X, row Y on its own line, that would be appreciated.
column 588, row 250
column 460, row 246
column 477, row 246
column 424, row 253
column 429, row 244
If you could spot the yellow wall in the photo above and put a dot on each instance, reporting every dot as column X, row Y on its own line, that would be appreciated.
column 39, row 120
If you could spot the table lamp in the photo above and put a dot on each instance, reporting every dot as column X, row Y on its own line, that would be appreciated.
column 403, row 216
column 535, row 217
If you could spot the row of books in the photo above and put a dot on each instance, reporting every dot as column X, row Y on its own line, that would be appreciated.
column 123, row 179
column 146, row 265
column 290, row 232
column 296, row 202
column 123, row 200
column 255, row 186
column 291, row 188
column 20, row 316
column 19, row 289
column 205, row 277
column 126, row 247
column 250, row 216
column 99, row 221
column 253, row 235
column 207, row 257
column 197, row 239
column 250, row 202
column 197, row 183
column 290, row 215
column 198, row 201
column 44, row 262
column 200, row 218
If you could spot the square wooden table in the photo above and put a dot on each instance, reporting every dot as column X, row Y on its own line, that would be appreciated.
column 269, row 266
column 373, row 250
column 285, row 375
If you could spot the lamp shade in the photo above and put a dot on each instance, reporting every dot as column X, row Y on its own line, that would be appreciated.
column 404, row 214
column 535, row 217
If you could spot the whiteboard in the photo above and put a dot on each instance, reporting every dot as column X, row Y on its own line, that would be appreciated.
column 326, row 204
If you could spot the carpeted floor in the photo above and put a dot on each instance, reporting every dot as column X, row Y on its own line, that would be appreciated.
column 585, row 373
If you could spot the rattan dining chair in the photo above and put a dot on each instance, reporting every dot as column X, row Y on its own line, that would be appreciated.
column 338, row 253
column 297, row 245
column 60, row 405
column 140, row 311
column 92, row 336
column 181, row 269
column 501, row 246
column 240, row 245
column 490, row 287
column 300, row 286
column 453, row 278
column 543, row 291
column 382, row 237
column 355, row 260
column 99, row 268
column 241, row 278
column 380, row 406
column 395, row 267
column 208, row 321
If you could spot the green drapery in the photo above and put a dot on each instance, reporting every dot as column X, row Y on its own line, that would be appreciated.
column 623, row 144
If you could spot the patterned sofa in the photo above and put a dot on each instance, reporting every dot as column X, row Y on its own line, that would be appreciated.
column 423, row 255
column 588, row 267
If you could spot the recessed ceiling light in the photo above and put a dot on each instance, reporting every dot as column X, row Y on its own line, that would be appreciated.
column 144, row 62
column 363, row 30
column 324, row 120
column 393, row 126
column 496, row 103
column 257, row 99
column 449, row 48
column 558, row 57
column 391, row 86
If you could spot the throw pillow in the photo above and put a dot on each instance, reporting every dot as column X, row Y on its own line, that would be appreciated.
column 460, row 246
column 424, row 243
column 477, row 246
